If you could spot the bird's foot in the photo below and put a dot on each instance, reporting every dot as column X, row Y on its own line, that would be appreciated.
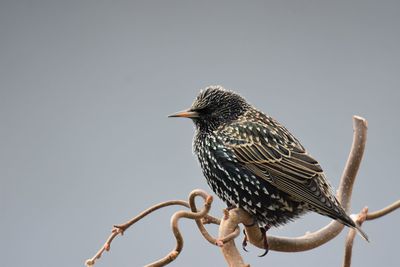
column 244, row 243
column 265, row 240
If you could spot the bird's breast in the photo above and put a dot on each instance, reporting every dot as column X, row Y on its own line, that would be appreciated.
column 236, row 185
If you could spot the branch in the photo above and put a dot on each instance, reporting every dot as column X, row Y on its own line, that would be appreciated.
column 175, row 227
column 361, row 218
column 384, row 211
column 210, row 219
column 120, row 229
column 201, row 217
column 350, row 238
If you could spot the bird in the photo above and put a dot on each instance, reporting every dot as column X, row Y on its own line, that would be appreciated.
column 251, row 161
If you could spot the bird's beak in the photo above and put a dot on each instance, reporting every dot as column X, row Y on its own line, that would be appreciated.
column 185, row 114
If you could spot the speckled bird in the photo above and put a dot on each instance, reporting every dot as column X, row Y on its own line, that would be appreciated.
column 252, row 161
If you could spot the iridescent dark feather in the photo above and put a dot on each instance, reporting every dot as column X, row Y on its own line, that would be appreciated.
column 270, row 152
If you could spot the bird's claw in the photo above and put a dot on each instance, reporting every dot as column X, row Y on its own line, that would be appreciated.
column 244, row 243
column 265, row 240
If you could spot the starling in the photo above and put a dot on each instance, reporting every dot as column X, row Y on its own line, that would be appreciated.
column 252, row 161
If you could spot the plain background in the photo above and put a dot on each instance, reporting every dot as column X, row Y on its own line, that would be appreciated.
column 85, row 142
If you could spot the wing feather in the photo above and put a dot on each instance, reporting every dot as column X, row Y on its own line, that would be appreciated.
column 273, row 154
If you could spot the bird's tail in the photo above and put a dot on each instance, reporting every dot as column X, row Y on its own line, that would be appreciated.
column 350, row 222
column 361, row 232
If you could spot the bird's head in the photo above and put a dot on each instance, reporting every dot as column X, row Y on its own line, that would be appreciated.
column 213, row 107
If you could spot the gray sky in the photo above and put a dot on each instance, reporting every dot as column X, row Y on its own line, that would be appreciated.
column 85, row 142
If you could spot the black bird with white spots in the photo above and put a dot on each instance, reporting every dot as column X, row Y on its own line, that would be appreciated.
column 253, row 162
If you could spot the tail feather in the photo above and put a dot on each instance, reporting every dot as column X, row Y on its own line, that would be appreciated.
column 351, row 222
column 361, row 232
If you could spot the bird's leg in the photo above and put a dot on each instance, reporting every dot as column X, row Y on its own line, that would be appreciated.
column 265, row 239
column 244, row 243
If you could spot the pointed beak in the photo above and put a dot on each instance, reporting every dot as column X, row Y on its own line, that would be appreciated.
column 185, row 114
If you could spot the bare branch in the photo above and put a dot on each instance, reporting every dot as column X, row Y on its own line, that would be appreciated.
column 200, row 222
column 175, row 227
column 229, row 223
column 361, row 217
column 211, row 220
column 128, row 224
column 384, row 211
column 119, row 229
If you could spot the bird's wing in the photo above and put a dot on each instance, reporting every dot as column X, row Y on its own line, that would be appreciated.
column 270, row 152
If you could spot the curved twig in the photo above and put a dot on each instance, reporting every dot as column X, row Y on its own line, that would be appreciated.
column 200, row 222
column 201, row 217
column 175, row 227
column 384, row 211
column 119, row 229
column 210, row 219
column 362, row 217
column 228, row 224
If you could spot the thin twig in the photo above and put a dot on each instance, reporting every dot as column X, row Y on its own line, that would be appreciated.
column 200, row 217
column 384, row 211
column 175, row 227
column 210, row 219
column 128, row 224
column 361, row 217
column 200, row 222
column 119, row 229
